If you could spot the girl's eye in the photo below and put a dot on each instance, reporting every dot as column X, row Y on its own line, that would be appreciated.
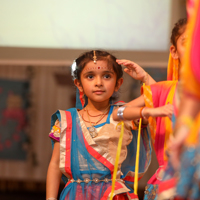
column 107, row 76
column 90, row 76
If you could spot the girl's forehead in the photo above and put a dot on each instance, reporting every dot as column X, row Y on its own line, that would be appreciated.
column 99, row 65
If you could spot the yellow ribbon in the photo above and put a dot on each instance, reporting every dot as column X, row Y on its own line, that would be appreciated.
column 117, row 158
column 118, row 155
column 137, row 159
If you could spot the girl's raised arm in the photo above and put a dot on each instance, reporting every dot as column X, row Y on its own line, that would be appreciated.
column 137, row 72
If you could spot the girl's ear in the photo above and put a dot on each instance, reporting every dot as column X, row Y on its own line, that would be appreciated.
column 173, row 52
column 119, row 83
column 78, row 85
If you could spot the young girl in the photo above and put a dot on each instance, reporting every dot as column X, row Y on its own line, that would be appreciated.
column 85, row 141
column 158, row 99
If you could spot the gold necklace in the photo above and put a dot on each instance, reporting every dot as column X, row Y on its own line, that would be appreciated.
column 92, row 130
column 103, row 115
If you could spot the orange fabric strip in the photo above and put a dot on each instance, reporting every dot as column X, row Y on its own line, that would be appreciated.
column 149, row 103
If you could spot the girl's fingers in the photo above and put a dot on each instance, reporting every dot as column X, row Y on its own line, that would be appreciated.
column 122, row 60
column 129, row 67
column 125, row 62
column 130, row 73
column 127, row 71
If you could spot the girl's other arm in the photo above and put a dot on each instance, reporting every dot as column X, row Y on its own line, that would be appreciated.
column 162, row 111
column 135, row 110
column 53, row 174
column 132, row 111
column 136, row 72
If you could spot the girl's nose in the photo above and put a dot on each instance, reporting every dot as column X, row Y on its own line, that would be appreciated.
column 98, row 81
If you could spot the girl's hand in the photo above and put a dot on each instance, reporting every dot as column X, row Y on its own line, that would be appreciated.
column 174, row 150
column 133, row 69
column 175, row 145
column 163, row 111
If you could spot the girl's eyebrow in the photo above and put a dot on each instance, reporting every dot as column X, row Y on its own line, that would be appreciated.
column 88, row 72
column 108, row 72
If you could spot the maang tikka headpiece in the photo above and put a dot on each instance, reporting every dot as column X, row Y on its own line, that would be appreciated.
column 94, row 57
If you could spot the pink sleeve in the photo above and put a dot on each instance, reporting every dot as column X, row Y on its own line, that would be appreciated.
column 55, row 131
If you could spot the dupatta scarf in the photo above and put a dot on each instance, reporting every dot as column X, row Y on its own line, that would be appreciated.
column 83, row 161
column 156, row 95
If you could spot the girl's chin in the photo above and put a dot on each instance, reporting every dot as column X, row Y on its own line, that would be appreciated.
column 99, row 100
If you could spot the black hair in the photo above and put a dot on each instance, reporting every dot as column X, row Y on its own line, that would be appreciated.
column 178, row 29
column 86, row 57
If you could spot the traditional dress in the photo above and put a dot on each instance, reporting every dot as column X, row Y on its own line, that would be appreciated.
column 156, row 95
column 185, row 184
column 88, row 163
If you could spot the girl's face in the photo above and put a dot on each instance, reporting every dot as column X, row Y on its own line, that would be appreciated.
column 181, row 46
column 178, row 51
column 98, row 81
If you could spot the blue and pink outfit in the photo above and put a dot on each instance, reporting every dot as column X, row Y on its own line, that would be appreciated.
column 88, row 163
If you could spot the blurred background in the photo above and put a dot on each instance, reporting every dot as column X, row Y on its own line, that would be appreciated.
column 38, row 42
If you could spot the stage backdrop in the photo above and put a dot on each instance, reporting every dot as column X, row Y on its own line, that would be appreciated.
column 108, row 24
column 29, row 95
column 14, row 104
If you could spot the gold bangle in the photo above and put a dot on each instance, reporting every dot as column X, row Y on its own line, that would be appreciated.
column 141, row 113
column 141, row 116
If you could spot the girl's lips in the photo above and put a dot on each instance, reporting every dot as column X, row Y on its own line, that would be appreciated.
column 98, row 91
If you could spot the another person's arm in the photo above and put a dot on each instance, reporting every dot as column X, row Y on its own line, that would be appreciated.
column 188, row 112
column 136, row 109
column 136, row 72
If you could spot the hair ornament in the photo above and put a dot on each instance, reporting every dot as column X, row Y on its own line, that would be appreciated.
column 73, row 69
column 94, row 57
